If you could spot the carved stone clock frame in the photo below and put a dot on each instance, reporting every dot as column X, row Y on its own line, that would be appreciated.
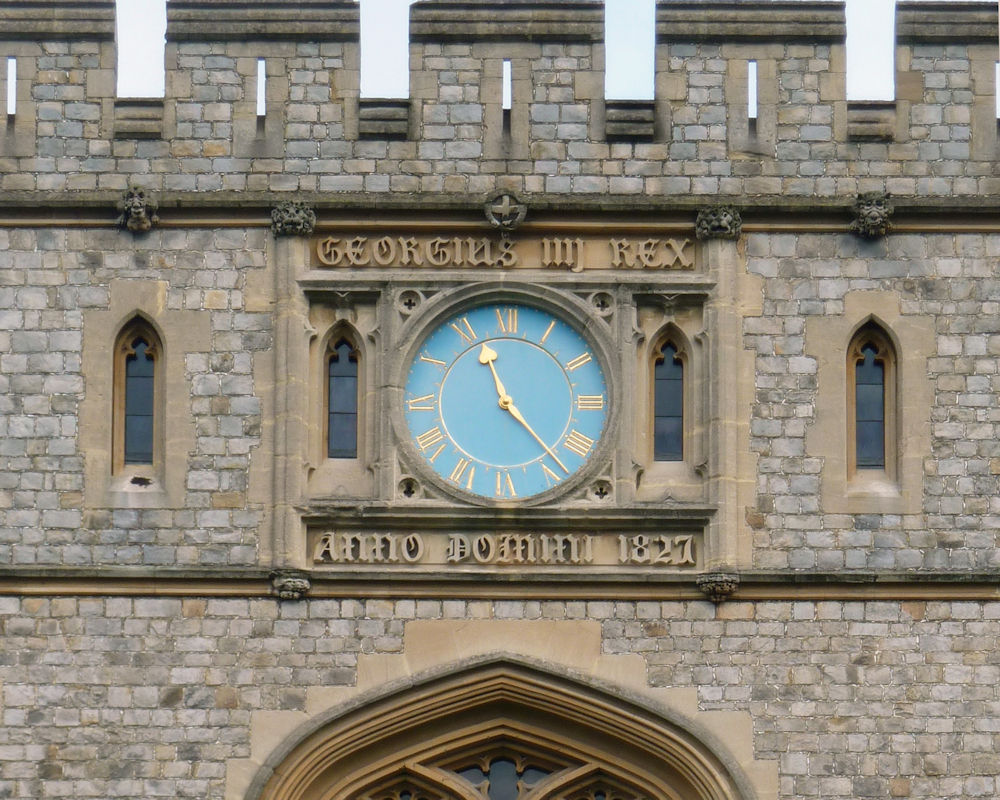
column 383, row 503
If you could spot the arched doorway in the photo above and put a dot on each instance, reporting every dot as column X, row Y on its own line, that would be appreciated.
column 499, row 731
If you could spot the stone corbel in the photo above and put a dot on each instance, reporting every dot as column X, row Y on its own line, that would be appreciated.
column 290, row 584
column 872, row 212
column 717, row 586
column 718, row 222
column 137, row 211
column 292, row 218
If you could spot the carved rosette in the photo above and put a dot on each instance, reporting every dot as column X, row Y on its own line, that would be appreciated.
column 718, row 222
column 505, row 210
column 292, row 218
column 872, row 212
column 290, row 584
column 137, row 211
column 717, row 586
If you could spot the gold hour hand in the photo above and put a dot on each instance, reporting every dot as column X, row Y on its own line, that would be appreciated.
column 487, row 356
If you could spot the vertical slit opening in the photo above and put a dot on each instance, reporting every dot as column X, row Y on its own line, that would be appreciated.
column 11, row 88
column 752, row 97
column 506, row 94
column 996, row 91
column 261, row 95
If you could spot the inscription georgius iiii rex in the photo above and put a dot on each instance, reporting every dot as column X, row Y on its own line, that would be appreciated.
column 573, row 254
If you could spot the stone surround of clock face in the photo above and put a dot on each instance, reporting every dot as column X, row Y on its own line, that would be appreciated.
column 169, row 636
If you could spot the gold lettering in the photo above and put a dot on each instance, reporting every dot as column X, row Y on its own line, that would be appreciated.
column 429, row 438
column 469, row 337
column 590, row 402
column 458, row 473
column 579, row 361
column 423, row 403
column 548, row 330
column 505, row 486
column 507, row 320
column 578, row 443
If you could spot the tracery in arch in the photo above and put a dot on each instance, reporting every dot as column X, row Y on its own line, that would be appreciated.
column 499, row 733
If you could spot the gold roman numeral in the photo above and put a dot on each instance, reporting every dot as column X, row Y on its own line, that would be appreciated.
column 430, row 438
column 548, row 330
column 578, row 362
column 469, row 337
column 424, row 403
column 436, row 453
column 578, row 443
column 429, row 360
column 457, row 474
column 505, row 486
column 550, row 476
column 507, row 318
column 590, row 402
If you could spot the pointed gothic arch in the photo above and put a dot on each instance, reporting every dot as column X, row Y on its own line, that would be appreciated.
column 538, row 735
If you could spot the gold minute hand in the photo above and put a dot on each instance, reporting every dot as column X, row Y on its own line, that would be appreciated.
column 506, row 402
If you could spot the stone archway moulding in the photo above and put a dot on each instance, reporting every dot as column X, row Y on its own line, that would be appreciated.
column 460, row 685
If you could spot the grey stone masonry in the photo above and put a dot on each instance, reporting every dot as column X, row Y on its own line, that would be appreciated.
column 935, row 144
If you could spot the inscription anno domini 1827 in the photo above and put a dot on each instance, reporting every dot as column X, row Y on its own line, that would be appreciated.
column 506, row 549
column 572, row 254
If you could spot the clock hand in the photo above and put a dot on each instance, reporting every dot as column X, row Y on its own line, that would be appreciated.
column 487, row 356
column 507, row 403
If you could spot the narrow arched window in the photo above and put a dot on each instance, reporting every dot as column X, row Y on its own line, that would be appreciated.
column 869, row 401
column 136, row 385
column 342, row 401
column 871, row 362
column 668, row 404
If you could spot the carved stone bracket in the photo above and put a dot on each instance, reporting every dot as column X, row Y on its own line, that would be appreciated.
column 872, row 212
column 292, row 218
column 717, row 586
column 137, row 210
column 290, row 584
column 718, row 222
column 505, row 210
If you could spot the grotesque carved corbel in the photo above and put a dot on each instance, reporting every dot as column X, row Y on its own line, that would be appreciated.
column 872, row 211
column 718, row 222
column 138, row 211
column 717, row 586
column 290, row 584
column 292, row 218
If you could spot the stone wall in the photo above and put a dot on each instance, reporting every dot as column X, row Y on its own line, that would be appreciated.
column 851, row 699
column 937, row 139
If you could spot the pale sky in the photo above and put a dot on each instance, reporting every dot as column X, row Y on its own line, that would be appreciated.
column 629, row 48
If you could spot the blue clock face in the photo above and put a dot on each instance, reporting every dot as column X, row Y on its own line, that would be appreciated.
column 505, row 401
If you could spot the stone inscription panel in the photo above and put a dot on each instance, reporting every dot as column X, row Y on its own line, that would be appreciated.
column 523, row 550
column 462, row 252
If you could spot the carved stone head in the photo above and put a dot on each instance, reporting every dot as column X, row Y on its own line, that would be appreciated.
column 718, row 222
column 872, row 211
column 138, row 212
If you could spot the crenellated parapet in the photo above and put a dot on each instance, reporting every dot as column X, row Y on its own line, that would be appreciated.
column 701, row 138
